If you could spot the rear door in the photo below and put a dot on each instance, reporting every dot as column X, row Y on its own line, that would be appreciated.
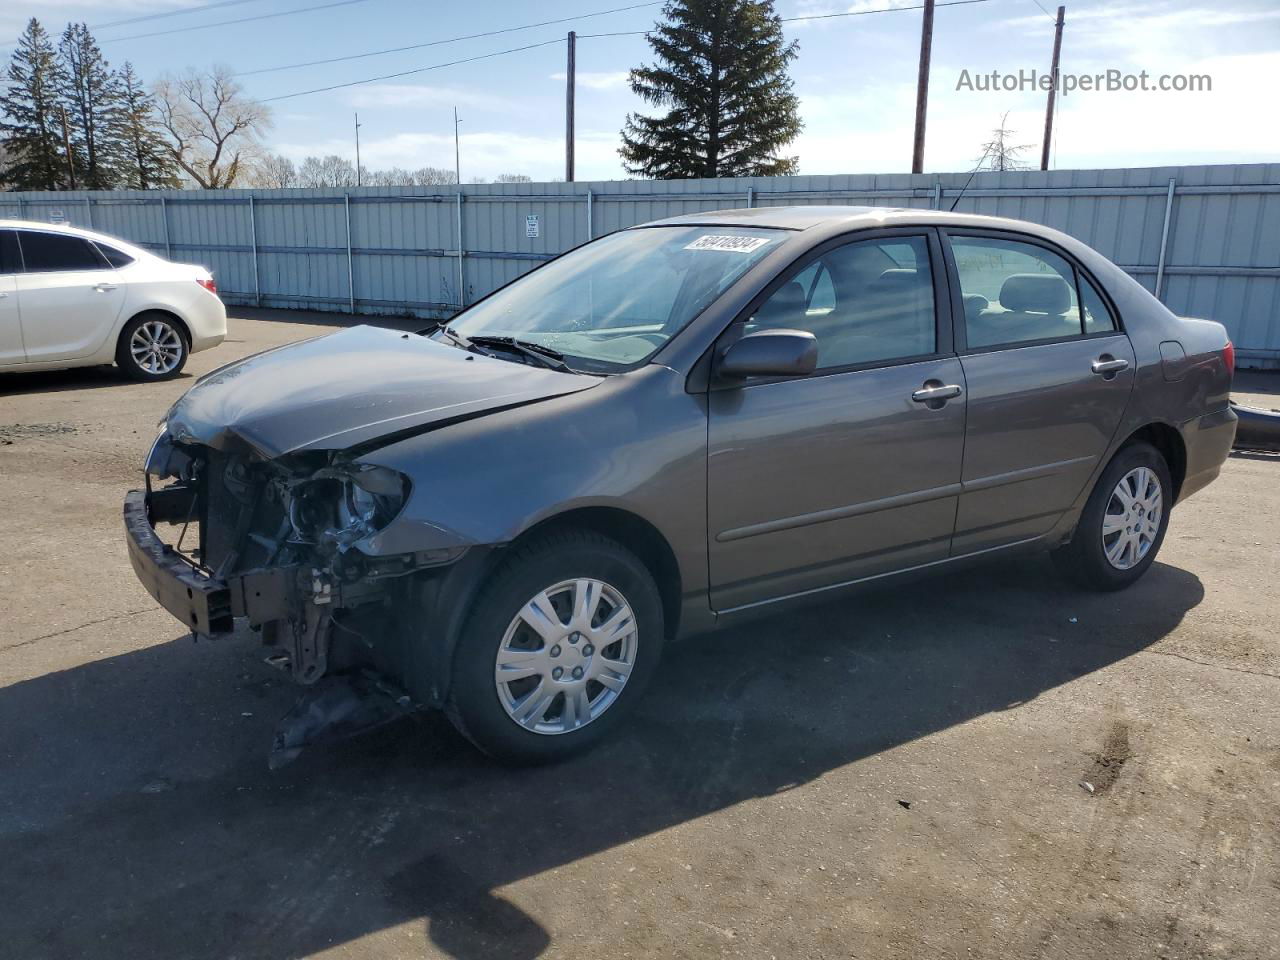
column 1049, row 373
column 848, row 472
column 11, row 349
column 68, row 296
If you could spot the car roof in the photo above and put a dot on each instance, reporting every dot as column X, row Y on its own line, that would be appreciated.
column 847, row 217
column 124, row 245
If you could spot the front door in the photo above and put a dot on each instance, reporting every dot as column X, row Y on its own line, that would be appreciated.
column 851, row 471
column 68, row 296
column 1049, row 374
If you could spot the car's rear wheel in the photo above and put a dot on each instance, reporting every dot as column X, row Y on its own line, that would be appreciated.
column 560, row 644
column 1123, row 523
column 152, row 346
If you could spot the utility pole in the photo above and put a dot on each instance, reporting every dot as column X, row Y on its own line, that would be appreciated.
column 1053, row 90
column 457, row 152
column 357, row 116
column 922, row 87
column 568, row 108
column 66, row 143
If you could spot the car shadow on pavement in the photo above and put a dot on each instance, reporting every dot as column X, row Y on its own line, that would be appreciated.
column 138, row 817
column 76, row 378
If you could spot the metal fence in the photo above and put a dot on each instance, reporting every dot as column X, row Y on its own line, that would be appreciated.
column 1205, row 239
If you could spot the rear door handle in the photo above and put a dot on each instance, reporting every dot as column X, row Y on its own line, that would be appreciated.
column 1104, row 366
column 943, row 392
column 104, row 287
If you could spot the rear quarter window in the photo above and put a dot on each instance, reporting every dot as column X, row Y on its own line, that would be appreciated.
column 117, row 258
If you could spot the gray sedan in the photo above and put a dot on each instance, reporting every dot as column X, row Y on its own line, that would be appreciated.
column 665, row 431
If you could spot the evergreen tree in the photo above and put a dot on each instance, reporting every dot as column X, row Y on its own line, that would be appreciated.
column 722, row 73
column 146, row 161
column 91, row 92
column 31, row 127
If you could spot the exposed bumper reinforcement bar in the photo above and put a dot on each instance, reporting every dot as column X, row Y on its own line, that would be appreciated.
column 204, row 604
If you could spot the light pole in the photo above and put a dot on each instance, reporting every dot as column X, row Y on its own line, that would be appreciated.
column 457, row 162
column 357, row 116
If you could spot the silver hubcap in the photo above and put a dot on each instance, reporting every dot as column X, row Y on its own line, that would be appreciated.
column 156, row 347
column 566, row 656
column 1132, row 519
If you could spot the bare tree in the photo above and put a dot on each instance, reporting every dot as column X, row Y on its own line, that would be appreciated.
column 212, row 127
column 330, row 171
column 392, row 177
column 274, row 172
column 512, row 178
column 433, row 177
column 999, row 153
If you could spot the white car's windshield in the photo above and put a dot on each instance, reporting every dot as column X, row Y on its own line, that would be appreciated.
column 614, row 302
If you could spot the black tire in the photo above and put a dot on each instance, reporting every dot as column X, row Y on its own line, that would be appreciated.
column 1084, row 560
column 125, row 359
column 474, row 703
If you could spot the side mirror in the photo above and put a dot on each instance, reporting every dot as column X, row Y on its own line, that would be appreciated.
column 770, row 353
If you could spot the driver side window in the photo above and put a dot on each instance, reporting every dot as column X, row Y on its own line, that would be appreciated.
column 867, row 301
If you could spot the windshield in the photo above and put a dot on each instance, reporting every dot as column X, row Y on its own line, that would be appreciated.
column 614, row 302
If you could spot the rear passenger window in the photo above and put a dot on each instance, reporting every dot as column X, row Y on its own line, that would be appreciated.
column 866, row 302
column 1097, row 318
column 1014, row 292
column 117, row 258
column 51, row 252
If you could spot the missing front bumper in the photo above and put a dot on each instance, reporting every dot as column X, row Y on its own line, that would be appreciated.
column 204, row 604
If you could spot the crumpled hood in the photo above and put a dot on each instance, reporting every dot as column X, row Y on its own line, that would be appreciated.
column 353, row 387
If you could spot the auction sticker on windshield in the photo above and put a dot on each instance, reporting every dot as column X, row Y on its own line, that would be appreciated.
column 729, row 244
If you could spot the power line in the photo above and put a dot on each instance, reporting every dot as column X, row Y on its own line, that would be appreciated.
column 407, row 73
column 436, row 43
column 545, row 43
column 816, row 16
column 226, row 23
column 170, row 13
column 1046, row 12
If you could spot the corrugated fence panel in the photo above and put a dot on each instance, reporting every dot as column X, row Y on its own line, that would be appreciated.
column 396, row 249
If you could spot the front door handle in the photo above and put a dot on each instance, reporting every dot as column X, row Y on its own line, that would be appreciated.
column 928, row 394
column 1105, row 365
column 104, row 287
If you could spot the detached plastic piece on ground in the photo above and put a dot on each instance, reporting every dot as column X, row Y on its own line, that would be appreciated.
column 1258, row 429
column 336, row 708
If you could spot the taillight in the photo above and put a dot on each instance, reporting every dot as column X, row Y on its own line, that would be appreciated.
column 1229, row 357
column 208, row 284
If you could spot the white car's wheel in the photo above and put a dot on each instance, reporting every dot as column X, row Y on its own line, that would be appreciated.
column 153, row 346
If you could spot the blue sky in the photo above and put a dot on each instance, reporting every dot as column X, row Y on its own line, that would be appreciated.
column 855, row 77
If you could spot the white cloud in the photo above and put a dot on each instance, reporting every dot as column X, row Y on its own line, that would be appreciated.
column 613, row 80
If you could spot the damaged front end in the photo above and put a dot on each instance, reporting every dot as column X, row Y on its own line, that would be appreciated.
column 285, row 544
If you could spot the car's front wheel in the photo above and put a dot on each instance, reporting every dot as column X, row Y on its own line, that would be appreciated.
column 1123, row 523
column 152, row 346
column 559, row 646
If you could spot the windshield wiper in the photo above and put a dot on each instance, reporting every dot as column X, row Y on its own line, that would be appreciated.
column 542, row 355
column 442, row 327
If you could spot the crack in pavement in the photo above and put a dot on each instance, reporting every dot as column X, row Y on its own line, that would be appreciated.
column 91, row 623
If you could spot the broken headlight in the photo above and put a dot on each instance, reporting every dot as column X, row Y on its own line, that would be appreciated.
column 339, row 505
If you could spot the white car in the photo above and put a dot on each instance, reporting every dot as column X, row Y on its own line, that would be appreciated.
column 76, row 298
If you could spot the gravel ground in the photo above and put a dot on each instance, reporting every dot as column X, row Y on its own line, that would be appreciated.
column 897, row 776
